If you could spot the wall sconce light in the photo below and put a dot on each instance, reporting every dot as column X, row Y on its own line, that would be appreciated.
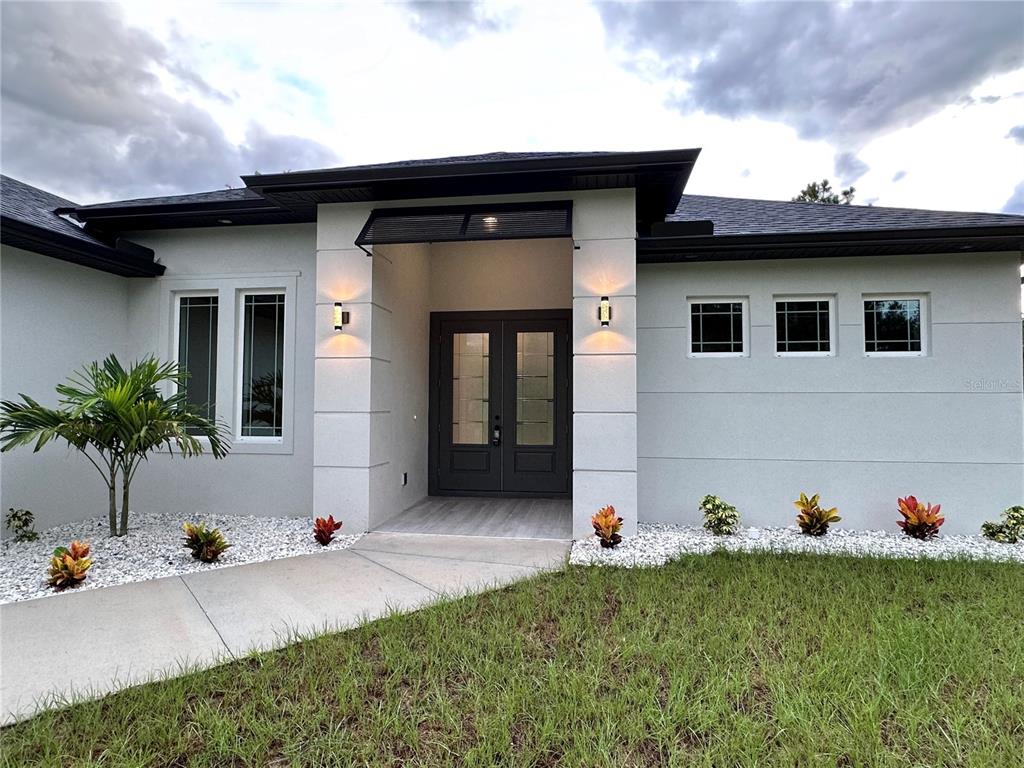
column 340, row 317
column 604, row 312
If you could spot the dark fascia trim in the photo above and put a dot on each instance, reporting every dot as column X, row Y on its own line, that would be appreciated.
column 563, row 206
column 596, row 163
column 810, row 244
column 125, row 258
column 101, row 212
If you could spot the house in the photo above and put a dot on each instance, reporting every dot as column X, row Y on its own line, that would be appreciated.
column 566, row 325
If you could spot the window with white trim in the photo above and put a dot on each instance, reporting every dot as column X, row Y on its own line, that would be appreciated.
column 196, row 333
column 804, row 326
column 262, row 373
column 718, row 327
column 894, row 325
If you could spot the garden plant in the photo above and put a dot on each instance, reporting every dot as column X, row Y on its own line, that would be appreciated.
column 813, row 518
column 920, row 520
column 607, row 526
column 1010, row 530
column 324, row 529
column 720, row 518
column 206, row 544
column 69, row 565
column 20, row 523
column 116, row 417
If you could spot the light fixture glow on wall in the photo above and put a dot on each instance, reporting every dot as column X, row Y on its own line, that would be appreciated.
column 340, row 317
column 604, row 312
column 490, row 222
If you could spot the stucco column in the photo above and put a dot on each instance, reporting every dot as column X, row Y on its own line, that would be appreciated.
column 344, row 404
column 604, row 461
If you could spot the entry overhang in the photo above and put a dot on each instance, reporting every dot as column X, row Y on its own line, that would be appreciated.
column 463, row 223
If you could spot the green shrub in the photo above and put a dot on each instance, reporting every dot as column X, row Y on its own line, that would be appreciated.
column 1010, row 530
column 206, row 544
column 19, row 522
column 720, row 518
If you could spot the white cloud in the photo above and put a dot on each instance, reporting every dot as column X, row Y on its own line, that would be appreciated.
column 361, row 80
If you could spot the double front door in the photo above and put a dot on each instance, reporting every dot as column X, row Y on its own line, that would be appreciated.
column 500, row 403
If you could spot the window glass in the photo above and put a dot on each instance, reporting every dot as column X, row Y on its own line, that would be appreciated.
column 892, row 325
column 471, row 370
column 535, row 388
column 716, row 327
column 262, row 364
column 197, row 351
column 802, row 326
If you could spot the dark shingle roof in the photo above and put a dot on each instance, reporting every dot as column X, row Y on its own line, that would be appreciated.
column 485, row 157
column 215, row 196
column 739, row 216
column 28, row 221
column 29, row 205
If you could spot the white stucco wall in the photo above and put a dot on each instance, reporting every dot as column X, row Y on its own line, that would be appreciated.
column 509, row 274
column 757, row 430
column 256, row 480
column 54, row 318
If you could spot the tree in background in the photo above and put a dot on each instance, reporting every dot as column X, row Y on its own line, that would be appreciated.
column 821, row 192
column 115, row 417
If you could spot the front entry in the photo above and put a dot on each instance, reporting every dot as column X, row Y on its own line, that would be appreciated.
column 500, row 403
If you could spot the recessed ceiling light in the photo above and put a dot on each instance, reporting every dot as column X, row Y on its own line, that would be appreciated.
column 490, row 221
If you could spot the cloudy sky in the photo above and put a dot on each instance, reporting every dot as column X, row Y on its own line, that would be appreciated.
column 915, row 103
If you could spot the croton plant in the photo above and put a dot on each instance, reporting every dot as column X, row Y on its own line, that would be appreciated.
column 324, row 528
column 607, row 526
column 920, row 520
column 68, row 565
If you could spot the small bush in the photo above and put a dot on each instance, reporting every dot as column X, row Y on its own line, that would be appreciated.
column 207, row 544
column 323, row 529
column 68, row 565
column 1010, row 530
column 19, row 522
column 813, row 520
column 607, row 526
column 720, row 518
column 920, row 521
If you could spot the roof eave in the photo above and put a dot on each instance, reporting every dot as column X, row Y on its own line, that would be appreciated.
column 131, row 262
column 813, row 244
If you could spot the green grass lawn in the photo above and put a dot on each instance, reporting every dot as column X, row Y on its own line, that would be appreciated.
column 720, row 661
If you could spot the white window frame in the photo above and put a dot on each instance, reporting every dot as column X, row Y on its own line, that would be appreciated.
column 925, row 319
column 743, row 301
column 229, row 289
column 830, row 298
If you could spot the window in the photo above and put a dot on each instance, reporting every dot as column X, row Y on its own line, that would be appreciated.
column 718, row 327
column 262, row 365
column 893, row 325
column 197, row 351
column 803, row 326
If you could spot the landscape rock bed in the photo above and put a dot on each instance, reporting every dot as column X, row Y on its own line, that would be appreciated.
column 657, row 543
column 153, row 549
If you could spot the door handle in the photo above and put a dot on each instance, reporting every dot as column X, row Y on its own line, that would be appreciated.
column 496, row 435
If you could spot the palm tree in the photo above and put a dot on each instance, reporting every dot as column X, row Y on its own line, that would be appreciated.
column 115, row 417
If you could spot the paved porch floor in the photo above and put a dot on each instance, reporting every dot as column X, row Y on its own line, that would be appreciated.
column 131, row 633
column 476, row 516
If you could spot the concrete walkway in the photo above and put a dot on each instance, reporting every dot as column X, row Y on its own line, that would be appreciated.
column 102, row 640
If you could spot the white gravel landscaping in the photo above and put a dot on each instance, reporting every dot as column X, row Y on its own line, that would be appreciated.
column 657, row 543
column 153, row 549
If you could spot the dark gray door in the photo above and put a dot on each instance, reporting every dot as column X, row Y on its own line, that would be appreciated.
column 500, row 403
